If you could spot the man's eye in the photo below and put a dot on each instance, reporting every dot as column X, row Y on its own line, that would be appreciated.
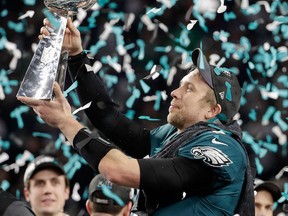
column 39, row 183
column 55, row 182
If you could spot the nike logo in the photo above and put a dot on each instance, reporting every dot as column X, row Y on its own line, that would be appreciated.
column 217, row 142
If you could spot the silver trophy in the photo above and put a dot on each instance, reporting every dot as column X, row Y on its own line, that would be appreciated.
column 49, row 62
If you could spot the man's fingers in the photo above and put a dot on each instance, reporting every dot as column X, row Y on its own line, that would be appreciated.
column 29, row 101
column 57, row 90
column 44, row 31
column 72, row 28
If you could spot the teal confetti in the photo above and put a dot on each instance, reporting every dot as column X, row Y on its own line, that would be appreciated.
column 135, row 94
column 52, row 19
column 284, row 195
column 229, row 16
column 269, row 112
column 131, row 77
column 58, row 143
column 158, row 100
column 253, row 25
column 146, row 88
column 6, row 83
column 277, row 118
column 85, row 194
column 259, row 166
column 17, row 112
column 201, row 20
column 4, row 13
column 141, row 45
column 30, row 2
column 111, row 80
column 43, row 135
column 76, row 166
column 108, row 193
column 18, row 194
column 285, row 103
column 228, row 95
column 283, row 79
column 184, row 39
column 71, row 88
column 271, row 146
column 149, row 65
column 252, row 115
column 5, row 185
column 75, row 99
column 95, row 48
column 66, row 150
column 148, row 118
column 40, row 120
column 253, row 9
column 4, row 144
column 130, row 114
column 17, row 27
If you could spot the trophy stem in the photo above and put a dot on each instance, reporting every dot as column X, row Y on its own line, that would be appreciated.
column 48, row 63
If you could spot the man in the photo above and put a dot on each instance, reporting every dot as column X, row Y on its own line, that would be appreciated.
column 10, row 206
column 267, row 193
column 46, row 186
column 106, row 198
column 197, row 163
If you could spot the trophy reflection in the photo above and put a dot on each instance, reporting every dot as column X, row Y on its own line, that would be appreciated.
column 49, row 62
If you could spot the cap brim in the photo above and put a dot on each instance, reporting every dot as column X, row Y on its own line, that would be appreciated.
column 200, row 61
column 271, row 187
column 43, row 166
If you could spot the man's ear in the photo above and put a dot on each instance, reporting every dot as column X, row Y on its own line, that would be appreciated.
column 214, row 111
column 127, row 208
column 88, row 207
column 67, row 193
column 26, row 194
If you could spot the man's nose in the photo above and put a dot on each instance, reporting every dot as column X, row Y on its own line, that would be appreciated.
column 48, row 188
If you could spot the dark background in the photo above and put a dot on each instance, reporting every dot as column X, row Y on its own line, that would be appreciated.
column 241, row 35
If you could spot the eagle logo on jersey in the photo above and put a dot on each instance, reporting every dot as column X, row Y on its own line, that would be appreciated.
column 211, row 156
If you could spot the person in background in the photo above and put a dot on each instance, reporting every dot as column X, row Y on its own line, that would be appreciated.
column 267, row 193
column 10, row 206
column 197, row 164
column 46, row 186
column 108, row 199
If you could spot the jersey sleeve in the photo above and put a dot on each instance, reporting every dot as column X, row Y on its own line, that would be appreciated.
column 103, row 113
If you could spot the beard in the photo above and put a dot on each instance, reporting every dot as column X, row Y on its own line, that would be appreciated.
column 176, row 119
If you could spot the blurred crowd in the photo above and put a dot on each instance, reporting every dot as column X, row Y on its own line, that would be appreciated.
column 126, row 38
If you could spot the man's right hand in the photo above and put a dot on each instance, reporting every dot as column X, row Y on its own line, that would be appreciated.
column 72, row 40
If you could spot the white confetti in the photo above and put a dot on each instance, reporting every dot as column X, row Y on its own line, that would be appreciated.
column 75, row 195
column 29, row 13
column 191, row 24
column 86, row 106
column 154, row 10
column 222, row 8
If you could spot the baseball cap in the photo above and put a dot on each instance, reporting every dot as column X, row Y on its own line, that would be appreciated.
column 42, row 162
column 268, row 186
column 223, row 82
column 102, row 191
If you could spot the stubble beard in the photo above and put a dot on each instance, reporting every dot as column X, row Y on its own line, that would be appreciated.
column 176, row 120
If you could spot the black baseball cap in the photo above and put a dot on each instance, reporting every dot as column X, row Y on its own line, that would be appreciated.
column 223, row 82
column 268, row 186
column 40, row 163
column 103, row 192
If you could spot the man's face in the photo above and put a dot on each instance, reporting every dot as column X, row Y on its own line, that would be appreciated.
column 189, row 104
column 47, row 193
column 263, row 203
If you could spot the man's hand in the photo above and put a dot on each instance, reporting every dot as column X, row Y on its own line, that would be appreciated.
column 72, row 39
column 54, row 112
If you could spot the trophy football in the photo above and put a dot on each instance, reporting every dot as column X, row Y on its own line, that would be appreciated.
column 49, row 62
